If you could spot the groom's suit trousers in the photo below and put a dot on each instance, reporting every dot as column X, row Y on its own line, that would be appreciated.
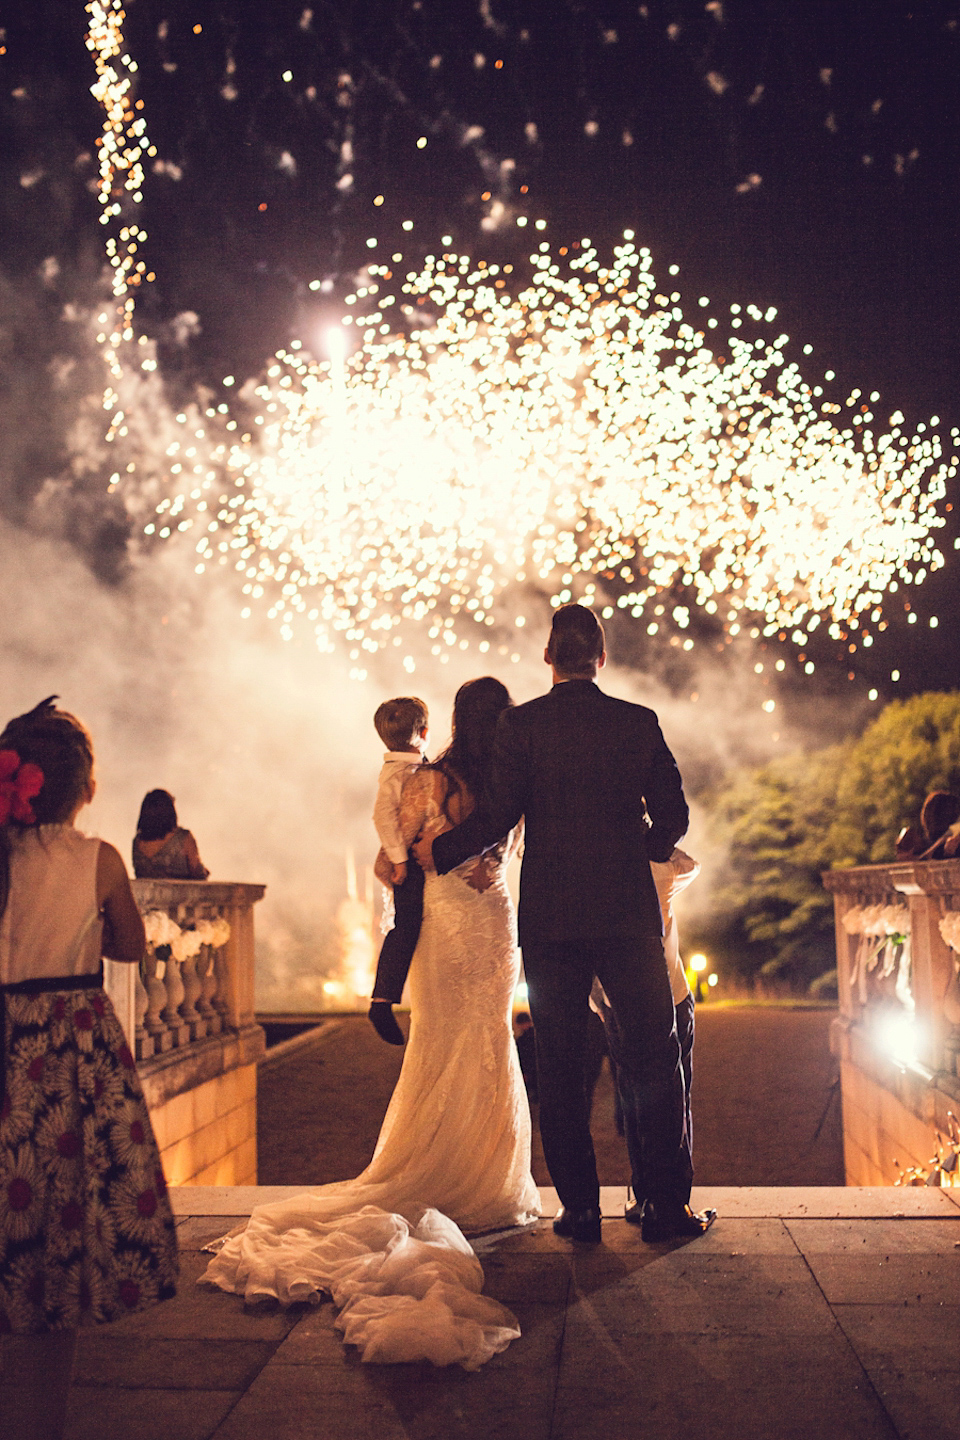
column 633, row 973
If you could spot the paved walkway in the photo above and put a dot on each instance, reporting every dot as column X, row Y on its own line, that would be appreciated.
column 823, row 1312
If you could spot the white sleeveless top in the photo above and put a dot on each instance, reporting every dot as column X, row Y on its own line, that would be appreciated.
column 51, row 925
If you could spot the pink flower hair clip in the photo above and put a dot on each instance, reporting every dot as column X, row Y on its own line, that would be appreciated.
column 18, row 785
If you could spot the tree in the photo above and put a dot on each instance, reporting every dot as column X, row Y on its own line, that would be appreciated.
column 773, row 822
column 912, row 747
column 781, row 824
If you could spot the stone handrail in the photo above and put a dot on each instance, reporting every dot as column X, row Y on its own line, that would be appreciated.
column 202, row 986
column 918, row 970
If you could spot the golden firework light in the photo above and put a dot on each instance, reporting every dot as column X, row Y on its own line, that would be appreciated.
column 474, row 432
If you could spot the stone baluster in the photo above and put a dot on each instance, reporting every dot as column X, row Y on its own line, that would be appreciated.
column 208, row 988
column 144, row 1042
column 192, row 988
column 221, row 995
column 153, row 1024
column 170, row 1014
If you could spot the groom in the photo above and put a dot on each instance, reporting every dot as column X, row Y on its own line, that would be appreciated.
column 601, row 797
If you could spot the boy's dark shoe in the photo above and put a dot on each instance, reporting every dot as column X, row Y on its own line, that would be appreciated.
column 382, row 1019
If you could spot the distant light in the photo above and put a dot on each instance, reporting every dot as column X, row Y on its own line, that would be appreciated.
column 712, row 980
column 698, row 963
column 378, row 199
column 522, row 992
column 408, row 224
column 288, row 76
column 229, row 380
column 872, row 694
column 371, row 243
column 769, row 706
column 422, row 142
column 894, row 674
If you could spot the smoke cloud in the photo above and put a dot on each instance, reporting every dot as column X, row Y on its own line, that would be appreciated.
column 267, row 744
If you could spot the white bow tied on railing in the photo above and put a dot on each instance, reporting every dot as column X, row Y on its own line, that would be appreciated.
column 189, row 1001
column 884, row 932
column 950, row 929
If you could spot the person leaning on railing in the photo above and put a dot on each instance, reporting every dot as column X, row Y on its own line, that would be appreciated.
column 162, row 849
column 937, row 837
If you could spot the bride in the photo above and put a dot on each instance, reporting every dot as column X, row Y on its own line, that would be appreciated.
column 456, row 1136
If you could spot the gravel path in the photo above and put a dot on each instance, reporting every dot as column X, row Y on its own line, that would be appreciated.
column 763, row 1077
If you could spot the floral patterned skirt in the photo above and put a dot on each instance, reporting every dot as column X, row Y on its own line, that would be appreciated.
column 86, row 1231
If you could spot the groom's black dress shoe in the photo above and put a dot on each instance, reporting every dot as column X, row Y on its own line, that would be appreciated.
column 581, row 1225
column 658, row 1223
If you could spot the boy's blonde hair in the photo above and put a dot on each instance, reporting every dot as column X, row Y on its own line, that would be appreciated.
column 400, row 721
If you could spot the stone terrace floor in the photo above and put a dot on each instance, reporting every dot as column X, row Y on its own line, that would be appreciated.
column 803, row 1313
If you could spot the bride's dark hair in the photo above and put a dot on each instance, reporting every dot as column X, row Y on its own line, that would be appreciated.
column 477, row 707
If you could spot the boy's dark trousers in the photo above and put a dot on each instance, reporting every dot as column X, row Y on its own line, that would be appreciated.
column 398, row 946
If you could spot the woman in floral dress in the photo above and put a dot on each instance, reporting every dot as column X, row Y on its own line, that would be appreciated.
column 86, row 1232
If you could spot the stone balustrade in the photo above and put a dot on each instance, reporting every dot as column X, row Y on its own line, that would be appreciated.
column 897, row 1036
column 188, row 1013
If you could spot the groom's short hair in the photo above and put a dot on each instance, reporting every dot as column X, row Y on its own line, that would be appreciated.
column 576, row 641
column 400, row 721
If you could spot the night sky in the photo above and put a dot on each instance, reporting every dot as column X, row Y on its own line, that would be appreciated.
column 798, row 155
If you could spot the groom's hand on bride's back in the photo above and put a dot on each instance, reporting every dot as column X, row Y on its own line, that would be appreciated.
column 422, row 852
column 481, row 876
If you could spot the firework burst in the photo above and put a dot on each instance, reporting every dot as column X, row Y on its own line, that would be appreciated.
column 573, row 431
column 565, row 427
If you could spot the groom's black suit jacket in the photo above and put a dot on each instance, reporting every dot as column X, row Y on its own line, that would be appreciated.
column 601, row 797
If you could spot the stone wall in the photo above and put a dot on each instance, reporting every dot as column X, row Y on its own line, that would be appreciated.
column 897, row 1036
column 189, row 1017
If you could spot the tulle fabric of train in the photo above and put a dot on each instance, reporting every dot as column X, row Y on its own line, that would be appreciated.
column 406, row 1289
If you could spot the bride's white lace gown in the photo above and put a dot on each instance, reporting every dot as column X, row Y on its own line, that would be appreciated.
column 455, row 1139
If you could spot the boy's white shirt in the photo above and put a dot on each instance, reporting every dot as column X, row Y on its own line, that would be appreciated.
column 397, row 766
column 670, row 877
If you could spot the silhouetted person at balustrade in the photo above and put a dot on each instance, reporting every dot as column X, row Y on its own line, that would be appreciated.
column 937, row 837
column 162, row 849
